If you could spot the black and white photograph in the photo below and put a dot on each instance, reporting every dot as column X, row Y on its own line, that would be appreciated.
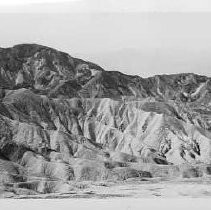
column 105, row 101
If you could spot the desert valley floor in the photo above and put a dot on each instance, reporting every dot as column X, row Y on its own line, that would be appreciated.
column 132, row 188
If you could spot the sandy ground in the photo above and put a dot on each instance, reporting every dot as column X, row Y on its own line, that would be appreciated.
column 133, row 188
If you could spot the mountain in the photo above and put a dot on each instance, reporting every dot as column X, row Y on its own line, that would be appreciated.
column 63, row 119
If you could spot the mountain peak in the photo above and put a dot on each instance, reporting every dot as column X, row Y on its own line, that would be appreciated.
column 47, row 70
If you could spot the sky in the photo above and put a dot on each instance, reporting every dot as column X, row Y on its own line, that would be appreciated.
column 110, row 5
column 143, row 37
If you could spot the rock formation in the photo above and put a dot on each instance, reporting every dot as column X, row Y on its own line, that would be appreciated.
column 63, row 119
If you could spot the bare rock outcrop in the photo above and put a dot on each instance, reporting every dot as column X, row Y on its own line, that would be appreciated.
column 63, row 119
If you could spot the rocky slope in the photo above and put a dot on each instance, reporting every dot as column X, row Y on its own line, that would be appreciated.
column 63, row 119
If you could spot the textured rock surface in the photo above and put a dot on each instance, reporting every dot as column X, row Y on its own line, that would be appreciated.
column 64, row 119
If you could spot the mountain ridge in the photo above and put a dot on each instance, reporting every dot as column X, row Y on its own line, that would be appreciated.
column 59, row 66
column 65, row 119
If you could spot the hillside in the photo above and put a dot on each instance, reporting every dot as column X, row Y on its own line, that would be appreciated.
column 63, row 120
